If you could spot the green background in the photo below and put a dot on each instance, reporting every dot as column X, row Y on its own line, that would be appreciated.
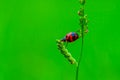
column 28, row 33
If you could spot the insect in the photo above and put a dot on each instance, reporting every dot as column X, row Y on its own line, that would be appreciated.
column 70, row 37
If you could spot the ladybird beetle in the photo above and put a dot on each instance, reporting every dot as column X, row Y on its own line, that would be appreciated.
column 70, row 37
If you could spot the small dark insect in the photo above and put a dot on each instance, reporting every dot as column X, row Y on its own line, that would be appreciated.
column 70, row 37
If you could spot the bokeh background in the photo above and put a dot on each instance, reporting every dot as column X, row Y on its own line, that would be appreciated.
column 28, row 33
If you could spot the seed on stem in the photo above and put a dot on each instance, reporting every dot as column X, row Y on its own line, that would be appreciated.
column 82, row 2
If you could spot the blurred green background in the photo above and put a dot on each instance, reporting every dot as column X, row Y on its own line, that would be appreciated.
column 28, row 33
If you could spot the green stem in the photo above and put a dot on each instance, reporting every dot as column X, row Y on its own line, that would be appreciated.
column 80, row 57
column 82, row 23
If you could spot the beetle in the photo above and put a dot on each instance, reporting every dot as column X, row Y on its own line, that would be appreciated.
column 70, row 37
